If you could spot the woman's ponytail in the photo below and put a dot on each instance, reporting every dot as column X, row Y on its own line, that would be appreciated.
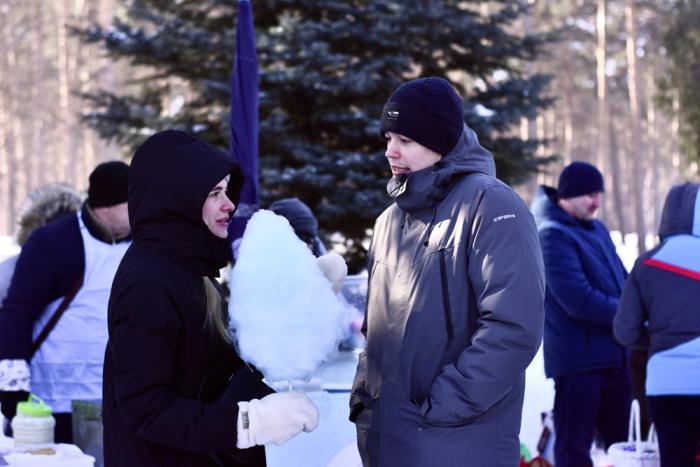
column 215, row 320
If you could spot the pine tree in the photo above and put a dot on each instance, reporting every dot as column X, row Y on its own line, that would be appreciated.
column 327, row 67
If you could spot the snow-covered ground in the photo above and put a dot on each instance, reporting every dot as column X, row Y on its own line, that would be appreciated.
column 539, row 397
column 8, row 247
column 627, row 249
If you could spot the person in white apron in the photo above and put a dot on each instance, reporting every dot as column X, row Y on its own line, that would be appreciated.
column 65, row 266
column 68, row 366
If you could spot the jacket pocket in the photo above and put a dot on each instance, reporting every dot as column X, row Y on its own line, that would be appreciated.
column 445, row 295
column 356, row 410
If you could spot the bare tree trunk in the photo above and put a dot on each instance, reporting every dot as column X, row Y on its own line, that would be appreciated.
column 617, row 176
column 528, row 127
column 15, row 159
column 5, row 222
column 85, row 78
column 63, row 95
column 675, row 137
column 4, row 165
column 37, row 165
column 653, row 177
column 78, row 73
column 540, row 132
column 635, row 115
column 568, row 108
column 603, row 140
column 16, row 167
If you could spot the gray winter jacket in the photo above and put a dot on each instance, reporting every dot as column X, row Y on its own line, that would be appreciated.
column 454, row 317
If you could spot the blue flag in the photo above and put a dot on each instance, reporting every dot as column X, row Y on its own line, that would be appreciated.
column 244, row 117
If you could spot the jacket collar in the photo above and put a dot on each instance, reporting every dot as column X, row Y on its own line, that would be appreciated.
column 425, row 188
column 97, row 229
column 545, row 208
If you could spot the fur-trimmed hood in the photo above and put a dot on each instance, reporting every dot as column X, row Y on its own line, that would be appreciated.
column 45, row 205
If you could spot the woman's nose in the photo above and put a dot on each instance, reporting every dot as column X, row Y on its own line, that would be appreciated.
column 228, row 205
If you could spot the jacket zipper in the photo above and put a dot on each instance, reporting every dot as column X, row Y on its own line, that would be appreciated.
column 369, row 286
column 445, row 295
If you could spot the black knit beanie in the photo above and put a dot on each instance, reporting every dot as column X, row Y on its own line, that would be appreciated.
column 426, row 110
column 109, row 184
column 579, row 178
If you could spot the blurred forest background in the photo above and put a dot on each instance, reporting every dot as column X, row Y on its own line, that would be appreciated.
column 612, row 82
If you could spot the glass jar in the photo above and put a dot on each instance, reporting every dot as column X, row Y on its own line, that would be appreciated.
column 34, row 422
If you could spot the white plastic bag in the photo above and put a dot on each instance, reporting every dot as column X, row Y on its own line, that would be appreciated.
column 634, row 452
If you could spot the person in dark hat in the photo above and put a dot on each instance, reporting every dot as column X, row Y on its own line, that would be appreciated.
column 65, row 269
column 455, row 301
column 584, row 281
column 302, row 221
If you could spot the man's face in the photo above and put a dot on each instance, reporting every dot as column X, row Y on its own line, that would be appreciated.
column 217, row 209
column 582, row 207
column 116, row 218
column 405, row 155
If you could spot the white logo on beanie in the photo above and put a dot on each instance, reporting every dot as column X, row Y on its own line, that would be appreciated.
column 392, row 114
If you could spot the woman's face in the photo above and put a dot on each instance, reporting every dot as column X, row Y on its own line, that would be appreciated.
column 217, row 209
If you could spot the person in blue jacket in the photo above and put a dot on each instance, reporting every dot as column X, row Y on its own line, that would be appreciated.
column 76, row 252
column 659, row 313
column 584, row 278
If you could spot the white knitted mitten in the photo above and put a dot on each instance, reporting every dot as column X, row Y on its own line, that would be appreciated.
column 275, row 418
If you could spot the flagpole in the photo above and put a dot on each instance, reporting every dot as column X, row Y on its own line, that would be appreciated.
column 244, row 116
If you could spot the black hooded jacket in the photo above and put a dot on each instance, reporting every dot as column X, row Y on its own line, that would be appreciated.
column 159, row 348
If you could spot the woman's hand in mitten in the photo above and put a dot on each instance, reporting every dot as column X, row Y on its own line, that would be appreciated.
column 275, row 418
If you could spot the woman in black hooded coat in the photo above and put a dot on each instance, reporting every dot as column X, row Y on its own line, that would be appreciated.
column 165, row 342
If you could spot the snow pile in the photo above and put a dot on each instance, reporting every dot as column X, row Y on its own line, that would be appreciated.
column 8, row 247
column 539, row 398
column 285, row 317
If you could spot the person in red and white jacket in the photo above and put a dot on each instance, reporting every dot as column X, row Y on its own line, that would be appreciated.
column 659, row 313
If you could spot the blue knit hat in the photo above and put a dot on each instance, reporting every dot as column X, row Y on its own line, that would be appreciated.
column 426, row 110
column 579, row 178
column 299, row 216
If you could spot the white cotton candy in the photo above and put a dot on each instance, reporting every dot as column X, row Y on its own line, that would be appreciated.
column 284, row 314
